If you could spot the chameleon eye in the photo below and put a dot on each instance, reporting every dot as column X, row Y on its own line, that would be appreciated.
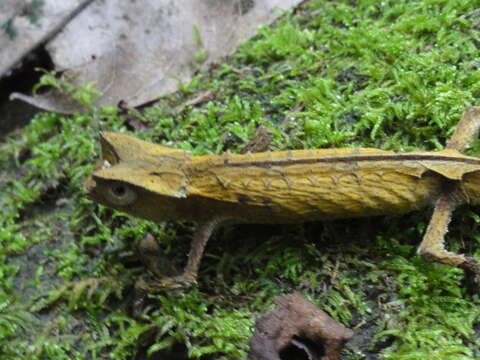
column 121, row 194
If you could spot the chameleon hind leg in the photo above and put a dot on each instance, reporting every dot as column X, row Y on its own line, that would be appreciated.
column 467, row 129
column 432, row 246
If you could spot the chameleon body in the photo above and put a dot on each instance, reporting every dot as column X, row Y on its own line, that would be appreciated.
column 158, row 183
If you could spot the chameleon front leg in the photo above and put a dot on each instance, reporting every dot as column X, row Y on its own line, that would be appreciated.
column 189, row 276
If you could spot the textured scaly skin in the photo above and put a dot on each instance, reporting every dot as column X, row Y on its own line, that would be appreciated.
column 328, row 184
column 284, row 186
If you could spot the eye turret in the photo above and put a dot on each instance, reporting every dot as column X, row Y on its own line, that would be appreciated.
column 121, row 194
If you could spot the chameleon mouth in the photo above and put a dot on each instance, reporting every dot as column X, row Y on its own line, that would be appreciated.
column 89, row 186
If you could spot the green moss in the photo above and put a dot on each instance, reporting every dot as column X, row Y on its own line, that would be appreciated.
column 390, row 74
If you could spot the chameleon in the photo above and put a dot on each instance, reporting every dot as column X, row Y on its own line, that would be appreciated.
column 159, row 183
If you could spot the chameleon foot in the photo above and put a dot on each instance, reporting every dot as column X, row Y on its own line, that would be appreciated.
column 148, row 285
column 155, row 282
column 472, row 274
column 176, row 282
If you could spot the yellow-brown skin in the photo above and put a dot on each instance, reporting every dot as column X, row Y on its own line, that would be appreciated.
column 252, row 188
column 158, row 183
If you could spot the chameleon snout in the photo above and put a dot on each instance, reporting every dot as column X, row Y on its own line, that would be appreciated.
column 89, row 187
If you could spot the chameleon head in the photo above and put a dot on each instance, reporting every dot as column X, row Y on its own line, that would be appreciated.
column 136, row 177
column 132, row 194
column 111, row 193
